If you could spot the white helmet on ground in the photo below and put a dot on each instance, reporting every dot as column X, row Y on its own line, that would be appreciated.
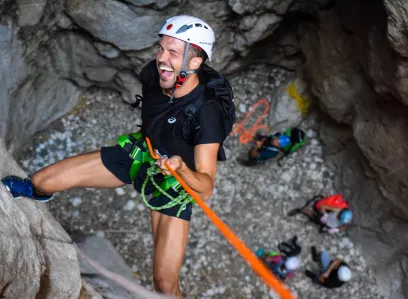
column 292, row 263
column 191, row 30
column 344, row 273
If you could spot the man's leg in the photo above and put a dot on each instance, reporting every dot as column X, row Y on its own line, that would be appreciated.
column 308, row 213
column 86, row 170
column 325, row 259
column 170, row 235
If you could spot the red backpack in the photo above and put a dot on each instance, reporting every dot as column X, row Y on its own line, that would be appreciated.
column 335, row 201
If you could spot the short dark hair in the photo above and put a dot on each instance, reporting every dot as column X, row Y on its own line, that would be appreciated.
column 195, row 52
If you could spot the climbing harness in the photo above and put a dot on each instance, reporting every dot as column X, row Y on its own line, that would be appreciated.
column 135, row 145
column 137, row 148
column 240, row 246
column 247, row 134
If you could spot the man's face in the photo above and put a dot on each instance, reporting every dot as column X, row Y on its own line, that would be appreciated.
column 169, row 60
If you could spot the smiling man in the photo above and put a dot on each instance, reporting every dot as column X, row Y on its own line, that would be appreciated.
column 173, row 84
column 187, row 113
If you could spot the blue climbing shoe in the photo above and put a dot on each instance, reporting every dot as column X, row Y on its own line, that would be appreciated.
column 19, row 187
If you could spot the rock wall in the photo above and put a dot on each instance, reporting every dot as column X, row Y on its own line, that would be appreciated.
column 355, row 63
column 37, row 257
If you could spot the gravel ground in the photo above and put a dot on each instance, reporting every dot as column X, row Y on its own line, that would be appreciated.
column 253, row 201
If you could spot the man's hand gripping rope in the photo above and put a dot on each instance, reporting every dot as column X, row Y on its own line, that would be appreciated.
column 240, row 246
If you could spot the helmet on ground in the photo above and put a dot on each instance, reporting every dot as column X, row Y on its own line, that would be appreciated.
column 292, row 263
column 191, row 30
column 284, row 140
column 345, row 216
column 344, row 273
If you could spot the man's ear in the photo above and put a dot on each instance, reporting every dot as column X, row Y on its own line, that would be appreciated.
column 195, row 63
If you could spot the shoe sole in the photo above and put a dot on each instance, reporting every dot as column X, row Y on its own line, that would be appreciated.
column 46, row 200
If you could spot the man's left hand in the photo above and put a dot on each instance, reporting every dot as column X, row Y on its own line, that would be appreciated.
column 175, row 162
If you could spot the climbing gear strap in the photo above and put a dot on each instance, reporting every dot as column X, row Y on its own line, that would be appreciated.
column 135, row 145
column 183, row 198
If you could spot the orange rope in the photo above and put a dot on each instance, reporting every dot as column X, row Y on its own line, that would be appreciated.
column 248, row 134
column 240, row 246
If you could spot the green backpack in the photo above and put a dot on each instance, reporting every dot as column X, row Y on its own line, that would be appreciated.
column 297, row 140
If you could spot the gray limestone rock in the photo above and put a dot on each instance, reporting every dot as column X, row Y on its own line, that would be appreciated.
column 121, row 26
column 37, row 256
column 102, row 252
column 397, row 22
column 106, row 50
column 129, row 84
column 30, row 11
column 52, row 97
column 64, row 21
column 89, row 292
column 332, row 74
column 6, row 34
column 284, row 110
column 382, row 140
column 243, row 7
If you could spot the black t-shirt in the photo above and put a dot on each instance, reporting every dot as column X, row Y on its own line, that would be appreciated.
column 333, row 280
column 162, row 121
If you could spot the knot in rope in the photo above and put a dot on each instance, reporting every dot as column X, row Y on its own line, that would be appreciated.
column 182, row 199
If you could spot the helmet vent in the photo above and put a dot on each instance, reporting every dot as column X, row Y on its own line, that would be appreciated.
column 184, row 28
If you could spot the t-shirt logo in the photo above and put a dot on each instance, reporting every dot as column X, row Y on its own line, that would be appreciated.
column 171, row 120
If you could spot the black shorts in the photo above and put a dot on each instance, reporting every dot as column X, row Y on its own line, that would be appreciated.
column 118, row 162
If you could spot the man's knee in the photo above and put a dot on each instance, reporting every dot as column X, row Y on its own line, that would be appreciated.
column 165, row 283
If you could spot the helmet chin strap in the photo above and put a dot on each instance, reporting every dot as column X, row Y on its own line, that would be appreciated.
column 183, row 74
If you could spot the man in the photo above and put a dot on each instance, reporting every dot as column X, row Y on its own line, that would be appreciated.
column 284, row 263
column 171, row 83
column 332, row 213
column 333, row 273
column 283, row 267
column 265, row 148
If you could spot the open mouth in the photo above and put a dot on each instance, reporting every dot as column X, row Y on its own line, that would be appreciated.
column 165, row 72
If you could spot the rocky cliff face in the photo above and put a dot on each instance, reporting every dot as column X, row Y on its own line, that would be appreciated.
column 355, row 61
column 353, row 55
column 38, row 258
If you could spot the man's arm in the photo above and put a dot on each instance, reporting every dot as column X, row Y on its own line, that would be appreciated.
column 201, row 180
column 334, row 265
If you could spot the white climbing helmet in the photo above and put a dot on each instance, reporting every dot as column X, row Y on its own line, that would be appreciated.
column 191, row 30
column 292, row 263
column 344, row 273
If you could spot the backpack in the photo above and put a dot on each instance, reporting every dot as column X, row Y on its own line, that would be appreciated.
column 216, row 88
column 335, row 201
column 297, row 140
